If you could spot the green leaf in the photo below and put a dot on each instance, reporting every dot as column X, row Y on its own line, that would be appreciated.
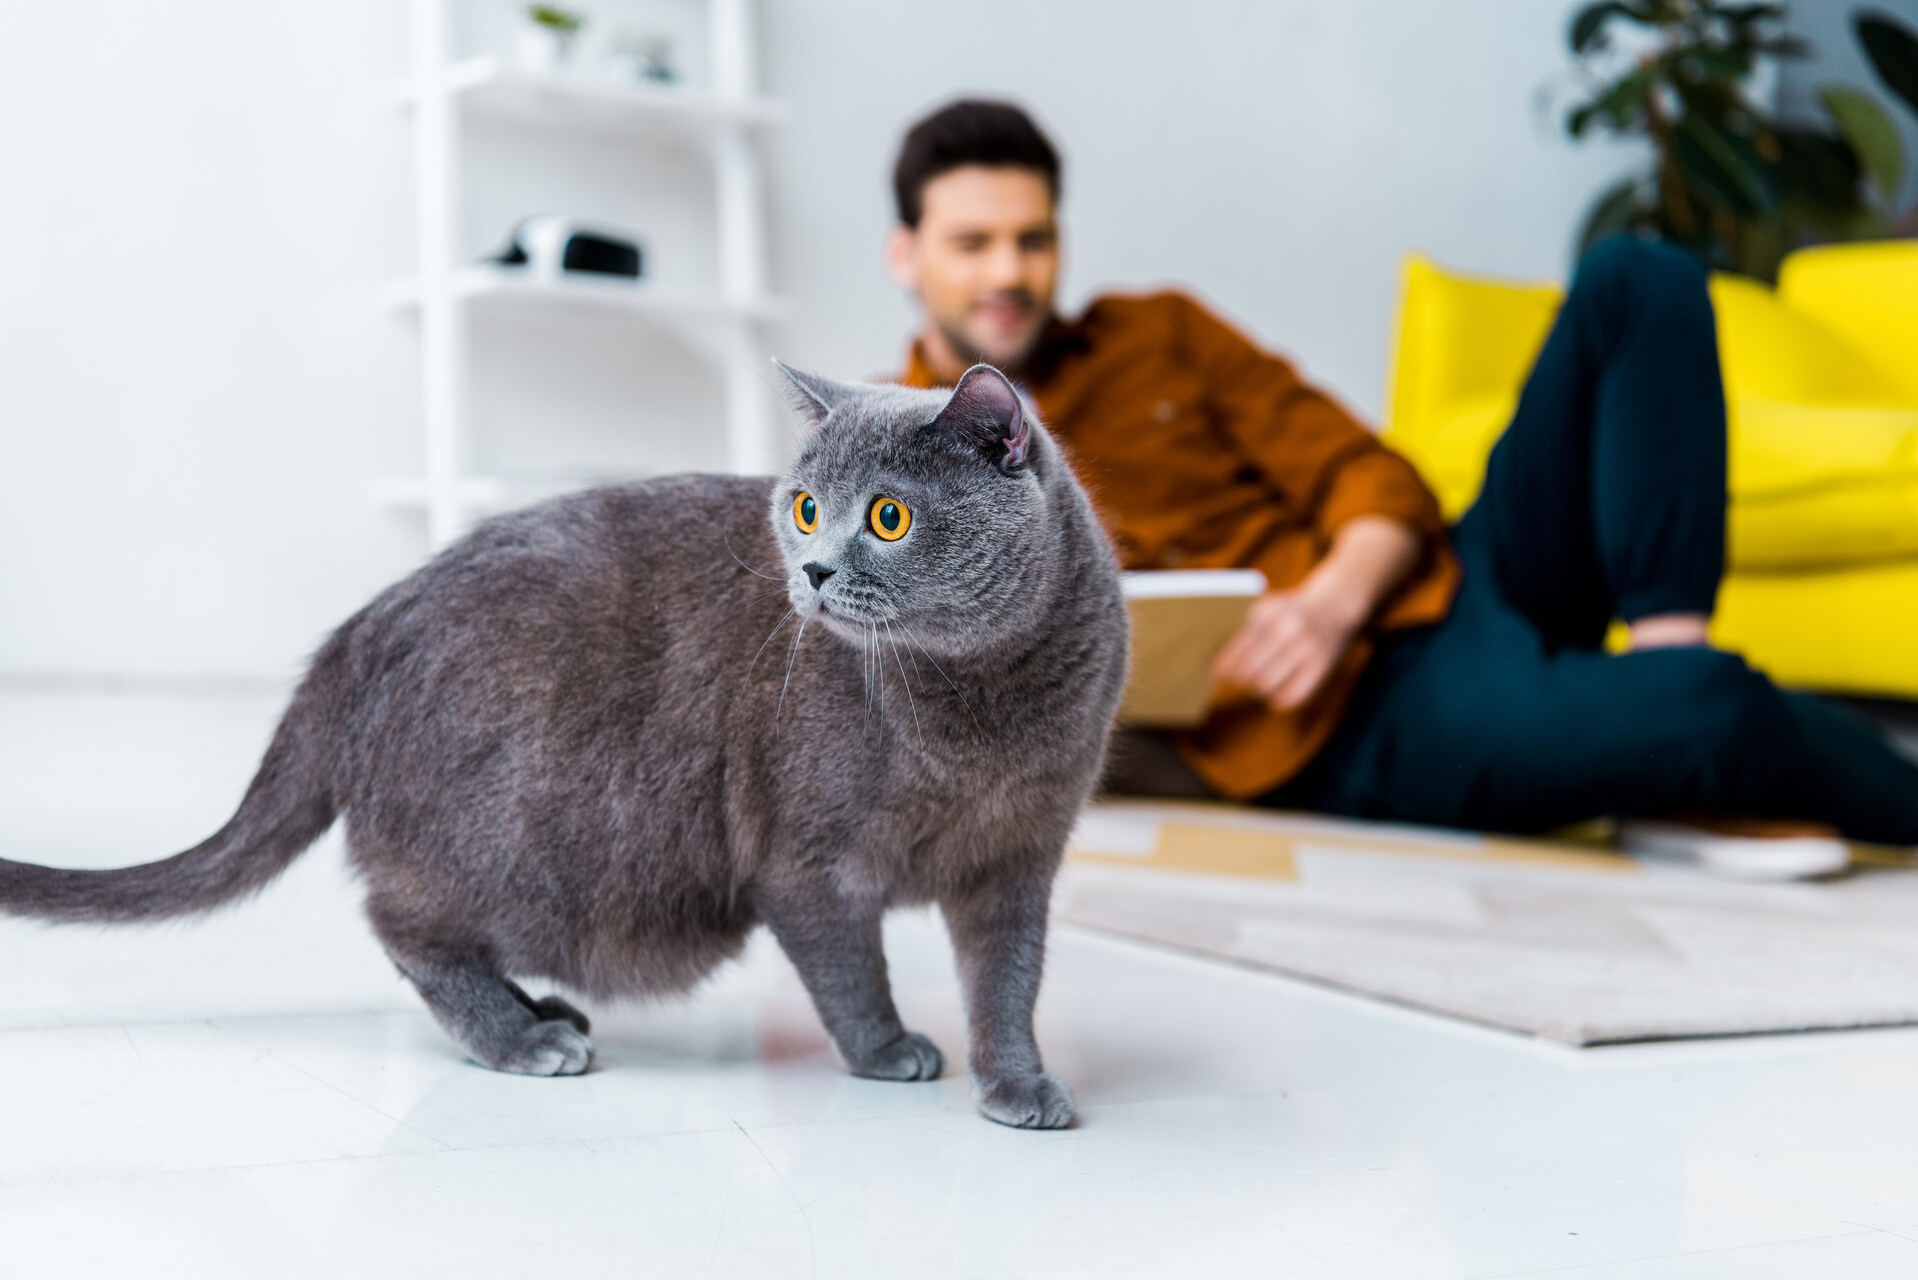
column 1810, row 222
column 1716, row 61
column 1740, row 15
column 1724, row 169
column 1893, row 50
column 1619, row 105
column 1619, row 209
column 551, row 15
column 1715, row 100
column 1821, row 170
column 1871, row 133
column 1588, row 28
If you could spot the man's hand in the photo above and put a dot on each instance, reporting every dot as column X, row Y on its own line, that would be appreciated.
column 1288, row 646
column 1293, row 639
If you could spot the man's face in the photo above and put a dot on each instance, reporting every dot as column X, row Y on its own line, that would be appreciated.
column 984, row 261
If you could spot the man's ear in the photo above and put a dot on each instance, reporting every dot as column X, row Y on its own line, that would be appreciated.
column 987, row 413
column 902, row 256
column 810, row 395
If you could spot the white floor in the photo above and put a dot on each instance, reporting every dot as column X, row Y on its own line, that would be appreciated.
column 257, row 1095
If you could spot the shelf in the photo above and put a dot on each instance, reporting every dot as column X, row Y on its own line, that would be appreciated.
column 472, row 492
column 584, row 294
column 491, row 493
column 491, row 88
column 722, row 324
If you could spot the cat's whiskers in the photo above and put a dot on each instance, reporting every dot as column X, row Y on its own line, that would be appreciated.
column 910, row 701
column 769, row 638
column 791, row 657
column 865, row 678
column 879, row 676
column 909, row 658
column 912, row 639
column 873, row 678
column 727, row 538
column 762, row 596
column 877, row 673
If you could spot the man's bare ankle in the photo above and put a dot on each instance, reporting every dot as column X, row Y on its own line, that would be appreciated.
column 1671, row 631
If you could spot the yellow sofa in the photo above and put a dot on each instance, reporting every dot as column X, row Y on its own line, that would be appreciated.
column 1821, row 376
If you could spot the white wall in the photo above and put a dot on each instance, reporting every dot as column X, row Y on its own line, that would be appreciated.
column 1278, row 156
column 196, row 386
column 194, row 381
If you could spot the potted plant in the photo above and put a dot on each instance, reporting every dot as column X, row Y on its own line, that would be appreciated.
column 1728, row 177
column 546, row 41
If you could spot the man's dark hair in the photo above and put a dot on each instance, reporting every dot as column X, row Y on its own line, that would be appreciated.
column 970, row 131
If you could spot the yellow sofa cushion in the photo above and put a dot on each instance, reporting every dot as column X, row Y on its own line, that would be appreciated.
column 1867, row 295
column 1848, row 630
column 1824, row 441
column 1771, row 350
column 1822, row 485
column 1811, row 485
column 1450, row 452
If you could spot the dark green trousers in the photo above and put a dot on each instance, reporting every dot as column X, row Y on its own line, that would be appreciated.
column 1605, row 498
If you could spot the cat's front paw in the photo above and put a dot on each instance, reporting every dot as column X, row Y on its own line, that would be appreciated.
column 554, row 1009
column 1027, row 1102
column 910, row 1057
column 553, row 1048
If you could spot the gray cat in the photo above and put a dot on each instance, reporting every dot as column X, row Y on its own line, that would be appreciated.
column 584, row 744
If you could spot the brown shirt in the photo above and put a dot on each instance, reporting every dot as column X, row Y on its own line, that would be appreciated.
column 1202, row 451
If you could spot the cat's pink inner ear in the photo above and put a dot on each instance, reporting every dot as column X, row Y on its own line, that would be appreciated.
column 986, row 408
column 1021, row 439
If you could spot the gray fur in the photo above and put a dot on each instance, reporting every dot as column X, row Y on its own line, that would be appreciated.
column 583, row 744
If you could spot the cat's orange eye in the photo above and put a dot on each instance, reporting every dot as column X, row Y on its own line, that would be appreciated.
column 805, row 513
column 890, row 519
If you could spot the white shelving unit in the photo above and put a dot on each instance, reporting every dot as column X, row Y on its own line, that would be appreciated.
column 445, row 96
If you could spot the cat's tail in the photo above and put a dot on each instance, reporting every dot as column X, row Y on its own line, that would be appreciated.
column 288, row 806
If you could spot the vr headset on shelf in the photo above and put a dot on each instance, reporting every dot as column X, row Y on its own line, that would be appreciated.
column 551, row 246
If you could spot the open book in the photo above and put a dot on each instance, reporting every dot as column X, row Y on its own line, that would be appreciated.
column 1181, row 618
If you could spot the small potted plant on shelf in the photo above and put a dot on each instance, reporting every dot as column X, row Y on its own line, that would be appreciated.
column 546, row 41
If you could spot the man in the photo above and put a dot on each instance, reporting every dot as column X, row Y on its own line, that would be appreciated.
column 1397, row 669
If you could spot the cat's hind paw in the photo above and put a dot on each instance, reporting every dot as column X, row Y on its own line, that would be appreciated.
column 910, row 1057
column 1027, row 1102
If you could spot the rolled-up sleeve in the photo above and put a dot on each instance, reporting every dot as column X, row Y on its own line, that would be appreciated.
column 1315, row 455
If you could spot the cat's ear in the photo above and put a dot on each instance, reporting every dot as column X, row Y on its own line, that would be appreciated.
column 810, row 395
column 987, row 412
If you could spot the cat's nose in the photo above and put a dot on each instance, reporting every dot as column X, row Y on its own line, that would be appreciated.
column 816, row 573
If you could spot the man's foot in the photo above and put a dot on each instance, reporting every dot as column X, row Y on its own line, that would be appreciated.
column 1738, row 848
